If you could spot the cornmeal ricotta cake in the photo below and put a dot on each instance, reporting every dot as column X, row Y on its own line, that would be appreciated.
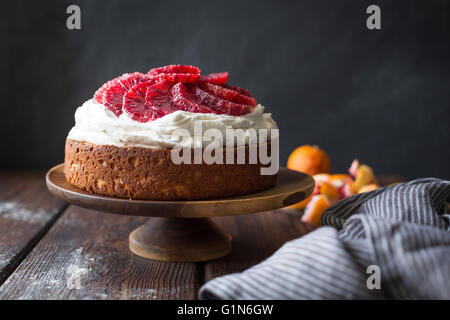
column 123, row 138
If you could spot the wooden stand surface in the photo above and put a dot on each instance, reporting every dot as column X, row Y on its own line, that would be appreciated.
column 180, row 240
column 181, row 231
column 43, row 239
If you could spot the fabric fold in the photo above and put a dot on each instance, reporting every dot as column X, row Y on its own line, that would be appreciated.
column 403, row 230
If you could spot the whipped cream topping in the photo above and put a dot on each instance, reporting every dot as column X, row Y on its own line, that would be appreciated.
column 96, row 124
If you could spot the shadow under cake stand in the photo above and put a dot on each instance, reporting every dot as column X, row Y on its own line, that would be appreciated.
column 182, row 231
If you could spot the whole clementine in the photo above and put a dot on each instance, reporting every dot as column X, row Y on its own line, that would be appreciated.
column 309, row 159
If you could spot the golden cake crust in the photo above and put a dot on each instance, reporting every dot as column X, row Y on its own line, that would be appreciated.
column 149, row 173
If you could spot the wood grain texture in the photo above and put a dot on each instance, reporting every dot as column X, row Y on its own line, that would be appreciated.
column 168, row 237
column 255, row 238
column 180, row 240
column 27, row 211
column 290, row 187
column 93, row 248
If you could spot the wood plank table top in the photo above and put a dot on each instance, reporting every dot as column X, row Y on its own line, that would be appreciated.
column 49, row 250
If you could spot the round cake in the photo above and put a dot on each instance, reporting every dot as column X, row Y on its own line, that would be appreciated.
column 128, row 139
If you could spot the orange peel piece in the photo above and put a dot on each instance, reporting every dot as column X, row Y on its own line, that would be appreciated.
column 364, row 176
column 354, row 168
column 315, row 208
column 321, row 177
column 339, row 179
column 330, row 191
column 368, row 188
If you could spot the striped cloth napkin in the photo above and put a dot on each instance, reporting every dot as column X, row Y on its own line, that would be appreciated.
column 391, row 243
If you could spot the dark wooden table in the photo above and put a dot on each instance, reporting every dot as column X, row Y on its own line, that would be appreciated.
column 49, row 250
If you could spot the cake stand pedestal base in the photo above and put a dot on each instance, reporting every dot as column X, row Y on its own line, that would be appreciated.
column 182, row 231
column 180, row 240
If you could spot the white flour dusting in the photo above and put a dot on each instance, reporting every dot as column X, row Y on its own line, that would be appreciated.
column 150, row 293
column 4, row 259
column 54, row 281
column 75, row 270
column 15, row 211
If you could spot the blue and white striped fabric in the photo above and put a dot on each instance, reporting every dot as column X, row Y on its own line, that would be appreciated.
column 403, row 230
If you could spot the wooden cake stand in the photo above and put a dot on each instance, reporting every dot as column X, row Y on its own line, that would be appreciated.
column 182, row 231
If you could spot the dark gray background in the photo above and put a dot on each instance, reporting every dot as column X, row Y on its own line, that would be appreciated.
column 382, row 96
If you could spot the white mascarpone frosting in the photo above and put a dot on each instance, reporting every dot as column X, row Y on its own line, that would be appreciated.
column 96, row 124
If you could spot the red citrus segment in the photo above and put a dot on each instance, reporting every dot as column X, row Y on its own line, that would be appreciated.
column 112, row 98
column 98, row 95
column 240, row 90
column 228, row 94
column 174, row 68
column 180, row 77
column 116, row 89
column 175, row 87
column 182, row 97
column 219, row 105
column 134, row 102
column 216, row 78
column 158, row 99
